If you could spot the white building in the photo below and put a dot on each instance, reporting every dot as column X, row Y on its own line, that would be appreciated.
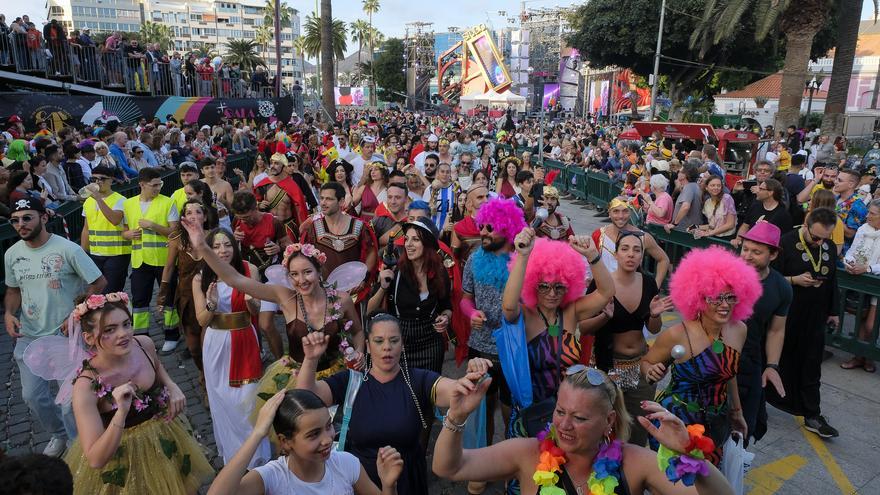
column 196, row 23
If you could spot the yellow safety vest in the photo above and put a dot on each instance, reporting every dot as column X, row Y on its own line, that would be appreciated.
column 179, row 198
column 152, row 248
column 105, row 239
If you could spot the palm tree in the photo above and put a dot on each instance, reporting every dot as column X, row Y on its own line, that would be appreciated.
column 797, row 21
column 360, row 32
column 299, row 46
column 313, row 37
column 371, row 7
column 328, row 76
column 244, row 53
column 153, row 32
column 285, row 11
column 263, row 35
column 841, row 73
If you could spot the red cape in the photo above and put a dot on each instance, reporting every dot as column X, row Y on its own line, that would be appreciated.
column 293, row 191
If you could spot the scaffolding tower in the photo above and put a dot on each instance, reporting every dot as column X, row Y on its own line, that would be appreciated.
column 545, row 29
column 418, row 58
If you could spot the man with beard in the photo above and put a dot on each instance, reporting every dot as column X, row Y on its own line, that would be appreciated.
column 768, row 207
column 44, row 274
column 262, row 238
column 808, row 261
column 432, row 148
column 466, row 233
column 606, row 240
column 278, row 194
column 557, row 226
column 391, row 213
column 485, row 275
column 827, row 179
column 759, row 360
column 341, row 237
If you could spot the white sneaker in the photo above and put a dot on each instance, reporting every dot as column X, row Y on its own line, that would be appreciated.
column 55, row 447
column 169, row 346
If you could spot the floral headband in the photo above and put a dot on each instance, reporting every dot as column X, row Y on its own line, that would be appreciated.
column 97, row 301
column 307, row 250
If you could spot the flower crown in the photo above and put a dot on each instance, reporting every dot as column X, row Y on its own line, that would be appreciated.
column 307, row 250
column 97, row 301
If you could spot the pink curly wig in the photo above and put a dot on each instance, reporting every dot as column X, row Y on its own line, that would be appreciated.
column 503, row 215
column 553, row 261
column 709, row 272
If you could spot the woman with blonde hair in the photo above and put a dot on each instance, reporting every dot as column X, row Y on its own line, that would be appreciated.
column 581, row 450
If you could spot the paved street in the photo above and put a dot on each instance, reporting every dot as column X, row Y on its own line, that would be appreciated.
column 788, row 460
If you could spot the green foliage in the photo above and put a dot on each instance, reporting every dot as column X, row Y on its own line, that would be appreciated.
column 623, row 33
column 153, row 32
column 244, row 53
column 388, row 67
column 312, row 35
column 269, row 14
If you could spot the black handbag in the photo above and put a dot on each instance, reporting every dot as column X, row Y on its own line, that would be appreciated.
column 536, row 416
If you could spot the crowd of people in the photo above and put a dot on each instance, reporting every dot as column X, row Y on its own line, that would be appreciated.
column 385, row 240
column 118, row 59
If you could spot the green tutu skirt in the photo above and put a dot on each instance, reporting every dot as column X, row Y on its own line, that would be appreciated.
column 153, row 458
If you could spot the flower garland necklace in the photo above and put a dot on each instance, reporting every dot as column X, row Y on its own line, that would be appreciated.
column 603, row 480
column 332, row 312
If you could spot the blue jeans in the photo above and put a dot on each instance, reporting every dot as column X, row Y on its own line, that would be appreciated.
column 59, row 422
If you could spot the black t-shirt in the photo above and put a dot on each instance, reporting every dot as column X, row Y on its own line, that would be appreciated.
column 131, row 53
column 778, row 216
column 774, row 301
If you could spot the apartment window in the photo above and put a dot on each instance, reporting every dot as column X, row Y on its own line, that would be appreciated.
column 258, row 21
column 107, row 26
column 56, row 10
column 102, row 12
column 248, row 22
column 195, row 17
column 184, row 30
column 286, row 36
column 209, row 32
column 234, row 19
column 128, row 14
column 248, row 35
column 252, row 10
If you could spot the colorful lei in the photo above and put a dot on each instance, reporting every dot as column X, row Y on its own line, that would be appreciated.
column 606, row 466
column 96, row 301
column 686, row 467
column 307, row 250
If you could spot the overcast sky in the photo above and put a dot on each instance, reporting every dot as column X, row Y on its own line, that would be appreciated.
column 393, row 15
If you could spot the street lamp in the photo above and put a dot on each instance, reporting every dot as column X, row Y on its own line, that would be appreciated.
column 811, row 86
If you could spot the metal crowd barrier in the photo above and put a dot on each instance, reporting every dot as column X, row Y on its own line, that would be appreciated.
column 859, row 288
column 92, row 65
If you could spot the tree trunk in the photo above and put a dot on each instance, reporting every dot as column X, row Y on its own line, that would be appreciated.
column 794, row 75
column 373, row 101
column 841, row 74
column 277, row 48
column 328, row 78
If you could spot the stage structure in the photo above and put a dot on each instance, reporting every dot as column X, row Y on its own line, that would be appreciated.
column 545, row 29
column 479, row 64
column 418, row 57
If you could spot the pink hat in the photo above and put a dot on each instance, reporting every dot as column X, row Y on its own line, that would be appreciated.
column 765, row 233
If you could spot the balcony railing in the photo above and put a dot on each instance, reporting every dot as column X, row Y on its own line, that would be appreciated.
column 113, row 70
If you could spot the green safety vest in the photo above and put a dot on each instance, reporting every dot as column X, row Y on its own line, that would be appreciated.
column 105, row 239
column 152, row 248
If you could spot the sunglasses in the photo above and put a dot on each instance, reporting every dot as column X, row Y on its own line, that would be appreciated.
column 594, row 376
column 487, row 227
column 22, row 219
column 730, row 299
column 545, row 288
column 98, row 179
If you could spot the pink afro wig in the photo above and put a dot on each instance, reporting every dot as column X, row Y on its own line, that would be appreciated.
column 553, row 261
column 709, row 272
column 503, row 215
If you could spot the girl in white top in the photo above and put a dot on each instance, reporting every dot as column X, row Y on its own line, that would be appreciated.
column 312, row 466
